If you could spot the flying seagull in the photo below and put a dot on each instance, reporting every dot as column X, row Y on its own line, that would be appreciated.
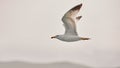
column 69, row 19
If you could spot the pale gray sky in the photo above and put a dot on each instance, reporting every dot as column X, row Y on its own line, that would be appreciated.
column 27, row 25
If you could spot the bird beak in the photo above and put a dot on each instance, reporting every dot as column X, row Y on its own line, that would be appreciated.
column 53, row 37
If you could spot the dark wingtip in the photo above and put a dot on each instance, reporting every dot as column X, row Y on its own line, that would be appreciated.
column 85, row 38
column 77, row 7
column 79, row 17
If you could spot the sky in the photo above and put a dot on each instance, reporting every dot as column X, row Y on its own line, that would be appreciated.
column 27, row 25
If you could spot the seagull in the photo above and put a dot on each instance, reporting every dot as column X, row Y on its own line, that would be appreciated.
column 69, row 21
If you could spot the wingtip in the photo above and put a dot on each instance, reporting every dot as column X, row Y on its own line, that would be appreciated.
column 82, row 38
column 77, row 7
column 80, row 4
column 78, row 18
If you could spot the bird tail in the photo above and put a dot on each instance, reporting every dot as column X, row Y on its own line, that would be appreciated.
column 82, row 38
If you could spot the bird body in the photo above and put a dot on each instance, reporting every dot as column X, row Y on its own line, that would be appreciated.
column 68, row 38
column 69, row 20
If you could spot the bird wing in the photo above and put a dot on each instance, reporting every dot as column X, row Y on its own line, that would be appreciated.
column 69, row 20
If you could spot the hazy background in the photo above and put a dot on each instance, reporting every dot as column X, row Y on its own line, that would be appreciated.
column 27, row 25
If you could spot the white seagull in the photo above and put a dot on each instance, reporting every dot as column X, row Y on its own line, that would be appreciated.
column 69, row 19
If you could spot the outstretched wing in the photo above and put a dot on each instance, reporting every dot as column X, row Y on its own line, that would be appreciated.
column 69, row 20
